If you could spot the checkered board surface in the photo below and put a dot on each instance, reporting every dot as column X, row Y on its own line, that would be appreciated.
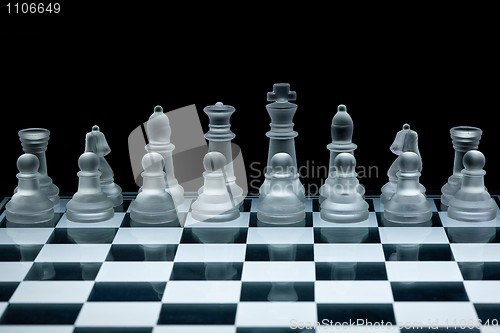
column 241, row 276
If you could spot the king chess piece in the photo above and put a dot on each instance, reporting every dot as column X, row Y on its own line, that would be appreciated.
column 29, row 204
column 464, row 138
column 153, row 205
column 34, row 141
column 281, row 205
column 215, row 203
column 408, row 204
column 341, row 130
column 344, row 202
column 281, row 136
column 159, row 132
column 89, row 203
column 406, row 141
column 95, row 142
column 472, row 203
column 219, row 138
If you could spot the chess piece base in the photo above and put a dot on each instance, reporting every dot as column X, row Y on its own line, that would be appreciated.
column 88, row 208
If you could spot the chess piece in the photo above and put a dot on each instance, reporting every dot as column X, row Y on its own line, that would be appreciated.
column 95, row 142
column 29, row 204
column 408, row 204
column 159, row 131
column 35, row 141
column 214, row 204
column 472, row 203
column 153, row 205
column 281, row 136
column 89, row 203
column 344, row 203
column 219, row 138
column 341, row 130
column 281, row 205
column 406, row 141
column 464, row 138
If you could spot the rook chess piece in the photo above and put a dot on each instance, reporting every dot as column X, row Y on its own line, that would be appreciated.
column 153, row 204
column 95, row 142
column 406, row 141
column 408, row 204
column 89, row 203
column 29, row 204
column 464, row 138
column 344, row 202
column 472, row 203
column 341, row 130
column 281, row 136
column 219, row 138
column 35, row 141
column 159, row 131
column 215, row 203
column 281, row 205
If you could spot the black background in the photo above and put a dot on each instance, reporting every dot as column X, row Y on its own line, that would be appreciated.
column 111, row 64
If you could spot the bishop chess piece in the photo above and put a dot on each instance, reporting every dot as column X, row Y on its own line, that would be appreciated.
column 34, row 141
column 281, row 136
column 408, row 204
column 464, row 138
column 341, row 130
column 215, row 203
column 153, row 205
column 472, row 203
column 29, row 204
column 219, row 138
column 406, row 141
column 89, row 203
column 159, row 132
column 344, row 203
column 95, row 142
column 281, row 205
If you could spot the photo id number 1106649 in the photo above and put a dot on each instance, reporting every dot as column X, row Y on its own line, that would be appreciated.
column 33, row 8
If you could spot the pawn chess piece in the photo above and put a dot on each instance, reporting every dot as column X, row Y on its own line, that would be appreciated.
column 159, row 132
column 281, row 205
column 215, row 203
column 472, row 203
column 29, row 204
column 344, row 203
column 153, row 204
column 408, row 204
column 406, row 141
column 341, row 130
column 89, row 203
column 95, row 142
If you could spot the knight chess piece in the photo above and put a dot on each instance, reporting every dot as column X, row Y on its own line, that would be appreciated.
column 215, row 203
column 408, row 204
column 406, row 141
column 219, row 138
column 464, row 138
column 159, row 132
column 153, row 205
column 472, row 203
column 35, row 141
column 281, row 205
column 29, row 204
column 89, row 203
column 344, row 202
column 281, row 136
column 95, row 142
column 341, row 130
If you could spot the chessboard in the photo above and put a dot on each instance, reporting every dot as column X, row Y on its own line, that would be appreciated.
column 243, row 276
